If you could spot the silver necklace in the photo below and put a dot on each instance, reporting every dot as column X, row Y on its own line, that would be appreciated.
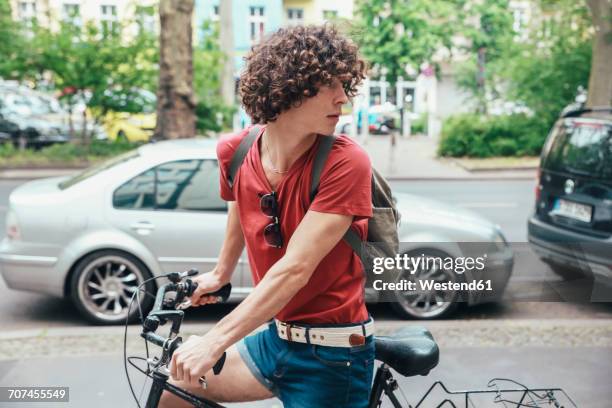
column 274, row 169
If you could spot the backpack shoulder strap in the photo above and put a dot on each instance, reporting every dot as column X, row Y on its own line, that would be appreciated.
column 240, row 154
column 325, row 145
column 354, row 240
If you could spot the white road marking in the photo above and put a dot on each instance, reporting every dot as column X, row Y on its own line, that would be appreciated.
column 489, row 205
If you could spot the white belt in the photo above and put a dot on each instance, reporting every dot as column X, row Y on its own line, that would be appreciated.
column 349, row 336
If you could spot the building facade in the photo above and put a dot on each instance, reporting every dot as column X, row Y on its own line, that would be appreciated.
column 49, row 13
column 251, row 20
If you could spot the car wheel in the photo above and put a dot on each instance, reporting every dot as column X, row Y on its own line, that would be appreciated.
column 103, row 284
column 121, row 136
column 426, row 305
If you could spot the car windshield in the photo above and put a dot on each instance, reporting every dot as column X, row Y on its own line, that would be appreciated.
column 16, row 104
column 581, row 147
column 92, row 171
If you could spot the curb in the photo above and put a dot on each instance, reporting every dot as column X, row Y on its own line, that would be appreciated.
column 385, row 327
column 492, row 169
column 35, row 173
column 88, row 341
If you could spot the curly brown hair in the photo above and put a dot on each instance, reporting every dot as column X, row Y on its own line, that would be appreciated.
column 292, row 64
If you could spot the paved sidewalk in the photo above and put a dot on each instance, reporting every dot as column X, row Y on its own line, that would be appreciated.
column 575, row 355
column 583, row 372
column 415, row 158
column 410, row 159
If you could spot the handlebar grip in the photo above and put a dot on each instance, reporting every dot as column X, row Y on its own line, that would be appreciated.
column 219, row 364
column 221, row 294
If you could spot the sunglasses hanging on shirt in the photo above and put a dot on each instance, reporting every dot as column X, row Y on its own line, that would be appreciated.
column 269, row 206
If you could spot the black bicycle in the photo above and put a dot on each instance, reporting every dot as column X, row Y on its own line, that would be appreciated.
column 409, row 352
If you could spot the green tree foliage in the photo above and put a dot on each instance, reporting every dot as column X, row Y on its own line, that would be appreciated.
column 489, row 33
column 398, row 33
column 9, row 36
column 545, row 72
column 212, row 114
column 101, row 66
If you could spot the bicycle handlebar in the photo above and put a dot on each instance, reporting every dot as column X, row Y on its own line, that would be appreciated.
column 165, row 310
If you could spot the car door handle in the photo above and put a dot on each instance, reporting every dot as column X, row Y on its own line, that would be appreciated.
column 142, row 227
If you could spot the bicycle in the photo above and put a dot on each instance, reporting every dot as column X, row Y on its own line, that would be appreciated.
column 410, row 352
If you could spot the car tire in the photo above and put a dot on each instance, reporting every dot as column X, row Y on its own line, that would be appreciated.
column 408, row 305
column 121, row 137
column 103, row 283
column 568, row 273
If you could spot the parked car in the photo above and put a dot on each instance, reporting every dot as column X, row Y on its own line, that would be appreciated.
column 382, row 119
column 132, row 126
column 571, row 228
column 95, row 236
column 28, row 126
column 37, row 119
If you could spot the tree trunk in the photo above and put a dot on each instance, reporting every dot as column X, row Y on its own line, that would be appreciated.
column 175, row 98
column 600, row 80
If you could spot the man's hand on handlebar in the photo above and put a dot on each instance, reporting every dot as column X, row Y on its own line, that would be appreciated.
column 194, row 358
column 207, row 283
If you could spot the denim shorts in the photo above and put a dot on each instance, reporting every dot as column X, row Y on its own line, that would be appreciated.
column 310, row 376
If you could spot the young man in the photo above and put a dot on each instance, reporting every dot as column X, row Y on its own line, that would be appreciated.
column 319, row 350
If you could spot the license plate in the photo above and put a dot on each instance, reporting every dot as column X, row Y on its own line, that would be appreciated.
column 570, row 209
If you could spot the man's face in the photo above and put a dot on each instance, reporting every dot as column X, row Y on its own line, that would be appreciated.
column 319, row 114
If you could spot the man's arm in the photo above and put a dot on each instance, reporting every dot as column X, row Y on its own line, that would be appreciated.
column 314, row 238
column 233, row 245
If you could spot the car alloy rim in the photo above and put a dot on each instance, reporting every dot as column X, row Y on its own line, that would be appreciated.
column 423, row 303
column 107, row 285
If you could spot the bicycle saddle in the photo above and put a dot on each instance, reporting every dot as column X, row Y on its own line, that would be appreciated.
column 410, row 351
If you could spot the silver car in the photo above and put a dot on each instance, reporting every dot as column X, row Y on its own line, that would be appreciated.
column 97, row 235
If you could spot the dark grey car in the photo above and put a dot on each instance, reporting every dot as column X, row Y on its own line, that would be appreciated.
column 571, row 228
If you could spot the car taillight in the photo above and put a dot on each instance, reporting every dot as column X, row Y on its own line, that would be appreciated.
column 12, row 226
column 538, row 187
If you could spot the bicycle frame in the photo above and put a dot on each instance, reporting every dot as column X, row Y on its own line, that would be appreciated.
column 383, row 382
column 161, row 384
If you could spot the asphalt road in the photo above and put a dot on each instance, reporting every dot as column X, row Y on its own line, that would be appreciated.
column 507, row 203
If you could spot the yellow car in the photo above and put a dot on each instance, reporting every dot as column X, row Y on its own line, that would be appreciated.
column 133, row 127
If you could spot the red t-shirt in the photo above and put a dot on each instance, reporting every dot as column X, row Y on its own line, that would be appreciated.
column 334, row 293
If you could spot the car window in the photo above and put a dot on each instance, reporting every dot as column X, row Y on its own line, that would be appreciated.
column 581, row 147
column 138, row 193
column 184, row 185
column 191, row 185
column 91, row 171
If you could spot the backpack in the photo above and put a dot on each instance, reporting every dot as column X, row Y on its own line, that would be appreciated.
column 382, row 240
